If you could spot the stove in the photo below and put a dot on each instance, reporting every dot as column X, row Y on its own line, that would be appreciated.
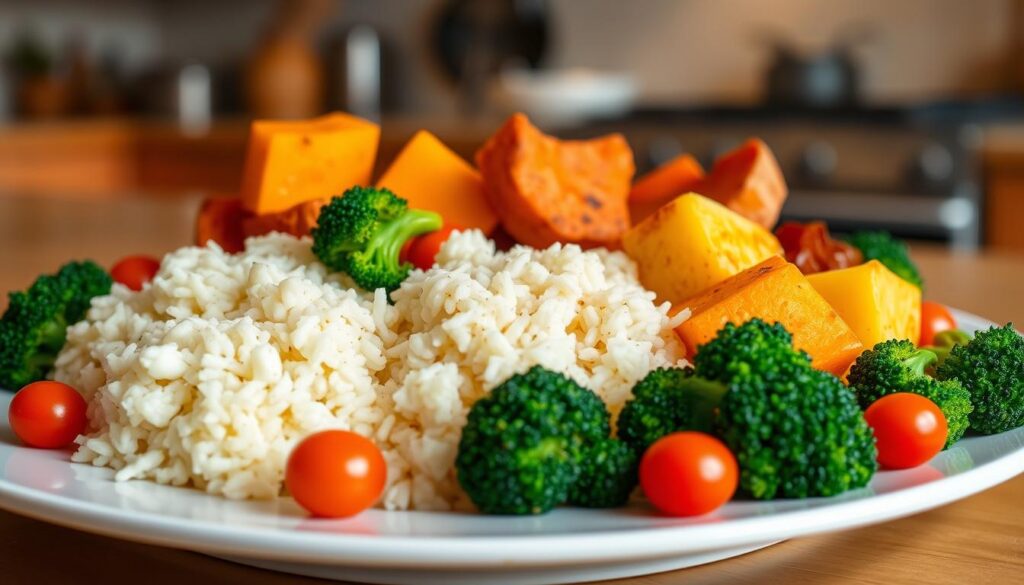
column 912, row 171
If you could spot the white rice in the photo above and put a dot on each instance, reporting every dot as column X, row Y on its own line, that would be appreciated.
column 209, row 376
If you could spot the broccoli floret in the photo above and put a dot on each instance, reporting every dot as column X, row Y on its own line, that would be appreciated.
column 362, row 233
column 891, row 252
column 33, row 329
column 751, row 342
column 991, row 367
column 607, row 475
column 662, row 403
column 943, row 343
column 522, row 447
column 795, row 431
column 897, row 366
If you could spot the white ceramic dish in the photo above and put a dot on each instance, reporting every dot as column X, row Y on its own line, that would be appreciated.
column 568, row 545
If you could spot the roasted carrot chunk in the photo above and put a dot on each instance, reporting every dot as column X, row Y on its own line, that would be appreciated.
column 663, row 184
column 748, row 180
column 774, row 290
column 220, row 220
column 298, row 221
column 546, row 190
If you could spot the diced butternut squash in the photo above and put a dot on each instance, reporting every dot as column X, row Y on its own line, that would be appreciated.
column 662, row 185
column 774, row 291
column 748, row 180
column 430, row 176
column 877, row 304
column 289, row 163
column 220, row 220
column 694, row 243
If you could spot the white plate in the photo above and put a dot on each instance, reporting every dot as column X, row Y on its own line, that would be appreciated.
column 568, row 545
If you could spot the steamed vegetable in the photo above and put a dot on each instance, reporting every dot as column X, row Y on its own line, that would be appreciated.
column 362, row 232
column 292, row 162
column 694, row 243
column 546, row 190
column 660, row 186
column 748, row 180
column 795, row 431
column 888, row 250
column 537, row 440
column 943, row 344
column 991, row 367
column 896, row 366
column 774, row 290
column 430, row 176
column 34, row 327
column 909, row 429
column 874, row 302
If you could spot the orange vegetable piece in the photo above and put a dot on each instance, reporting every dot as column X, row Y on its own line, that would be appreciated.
column 546, row 190
column 298, row 221
column 430, row 176
column 663, row 184
column 774, row 290
column 289, row 163
column 220, row 220
column 748, row 180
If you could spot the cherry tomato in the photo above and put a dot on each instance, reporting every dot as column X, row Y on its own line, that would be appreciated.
column 47, row 415
column 688, row 474
column 935, row 318
column 334, row 474
column 909, row 429
column 424, row 248
column 135, row 271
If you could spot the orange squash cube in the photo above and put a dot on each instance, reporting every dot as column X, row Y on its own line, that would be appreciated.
column 774, row 290
column 430, row 176
column 291, row 162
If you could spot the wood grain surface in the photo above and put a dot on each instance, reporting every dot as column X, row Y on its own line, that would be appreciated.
column 977, row 540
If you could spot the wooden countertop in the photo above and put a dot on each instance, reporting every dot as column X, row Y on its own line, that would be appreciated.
column 980, row 539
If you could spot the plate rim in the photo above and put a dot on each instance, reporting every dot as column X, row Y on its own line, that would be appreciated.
column 439, row 552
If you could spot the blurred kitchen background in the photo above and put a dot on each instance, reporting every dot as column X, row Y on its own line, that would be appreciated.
column 906, row 115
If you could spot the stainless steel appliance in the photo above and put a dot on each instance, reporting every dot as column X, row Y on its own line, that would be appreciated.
column 910, row 171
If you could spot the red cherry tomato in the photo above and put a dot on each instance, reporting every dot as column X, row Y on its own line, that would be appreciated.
column 909, row 429
column 688, row 474
column 935, row 318
column 135, row 271
column 334, row 474
column 47, row 415
column 424, row 248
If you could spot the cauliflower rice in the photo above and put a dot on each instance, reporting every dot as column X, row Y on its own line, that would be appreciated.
column 211, row 374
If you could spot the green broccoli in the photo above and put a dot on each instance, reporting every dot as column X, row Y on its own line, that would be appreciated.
column 522, row 447
column 750, row 342
column 607, row 475
column 991, row 367
column 897, row 366
column 33, row 329
column 795, row 431
column 662, row 404
column 362, row 233
column 943, row 343
column 891, row 252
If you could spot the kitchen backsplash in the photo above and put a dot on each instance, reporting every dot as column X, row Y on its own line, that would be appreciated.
column 681, row 51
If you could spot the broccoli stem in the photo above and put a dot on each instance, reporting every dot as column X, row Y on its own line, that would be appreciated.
column 920, row 360
column 396, row 233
